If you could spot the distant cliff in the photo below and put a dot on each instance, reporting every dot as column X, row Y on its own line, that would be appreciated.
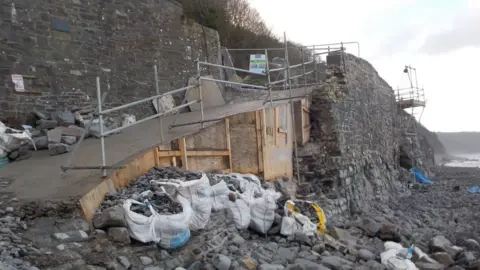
column 460, row 142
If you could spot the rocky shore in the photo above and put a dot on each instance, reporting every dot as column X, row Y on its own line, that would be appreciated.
column 441, row 220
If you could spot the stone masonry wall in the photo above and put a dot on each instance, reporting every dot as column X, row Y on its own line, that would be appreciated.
column 61, row 46
column 353, row 153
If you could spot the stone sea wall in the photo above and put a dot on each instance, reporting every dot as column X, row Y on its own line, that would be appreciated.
column 357, row 139
column 60, row 47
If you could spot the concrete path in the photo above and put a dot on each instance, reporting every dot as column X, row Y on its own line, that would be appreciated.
column 40, row 177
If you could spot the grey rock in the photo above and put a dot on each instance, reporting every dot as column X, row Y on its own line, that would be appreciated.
column 443, row 258
column 40, row 142
column 46, row 124
column 111, row 217
column 335, row 263
column 374, row 265
column 153, row 268
column 221, row 262
column 64, row 118
column 72, row 236
column 238, row 240
column 472, row 244
column 119, row 235
column 40, row 115
column 306, row 265
column 319, row 247
column 439, row 243
column 72, row 131
column 70, row 140
column 288, row 254
column 146, row 260
column 267, row 266
column 124, row 262
column 429, row 266
column 162, row 255
column 58, row 148
column 370, row 227
column 365, row 255
column 54, row 135
column 94, row 267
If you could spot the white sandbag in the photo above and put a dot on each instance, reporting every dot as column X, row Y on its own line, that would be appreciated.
column 297, row 223
column 240, row 212
column 262, row 211
column 219, row 202
column 390, row 259
column 219, row 196
column 249, row 185
column 392, row 245
column 169, row 231
column 198, row 194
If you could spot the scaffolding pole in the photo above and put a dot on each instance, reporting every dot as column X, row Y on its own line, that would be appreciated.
column 157, row 89
column 291, row 107
column 100, row 116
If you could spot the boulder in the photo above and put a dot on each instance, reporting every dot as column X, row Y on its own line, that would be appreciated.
column 119, row 235
column 46, row 124
column 389, row 232
column 55, row 135
column 472, row 244
column 370, row 227
column 40, row 142
column 70, row 140
column 64, row 118
column 335, row 263
column 429, row 266
column 58, row 148
column 443, row 258
column 221, row 262
column 111, row 217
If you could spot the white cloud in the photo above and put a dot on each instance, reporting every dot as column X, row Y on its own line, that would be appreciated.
column 436, row 37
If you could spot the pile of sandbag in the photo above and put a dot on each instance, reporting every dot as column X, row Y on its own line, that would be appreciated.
column 166, row 210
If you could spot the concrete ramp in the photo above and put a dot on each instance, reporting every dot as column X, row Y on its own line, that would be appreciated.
column 212, row 96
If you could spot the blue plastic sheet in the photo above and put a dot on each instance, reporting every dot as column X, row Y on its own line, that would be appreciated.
column 422, row 179
column 474, row 189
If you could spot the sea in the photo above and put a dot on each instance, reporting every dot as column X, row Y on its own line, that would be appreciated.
column 465, row 160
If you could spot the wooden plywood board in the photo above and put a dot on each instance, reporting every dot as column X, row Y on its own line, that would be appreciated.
column 140, row 165
column 244, row 148
column 183, row 153
column 258, row 129
column 210, row 138
column 229, row 143
column 90, row 201
column 208, row 164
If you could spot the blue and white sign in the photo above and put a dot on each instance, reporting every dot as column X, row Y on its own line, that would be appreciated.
column 257, row 63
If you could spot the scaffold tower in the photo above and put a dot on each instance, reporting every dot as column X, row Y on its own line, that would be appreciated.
column 411, row 99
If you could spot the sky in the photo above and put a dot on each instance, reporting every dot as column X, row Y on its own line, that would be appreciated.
column 440, row 38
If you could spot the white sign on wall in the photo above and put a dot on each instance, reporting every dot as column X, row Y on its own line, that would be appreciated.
column 18, row 82
column 257, row 63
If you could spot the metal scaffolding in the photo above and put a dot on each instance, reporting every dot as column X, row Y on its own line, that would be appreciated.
column 411, row 99
column 308, row 66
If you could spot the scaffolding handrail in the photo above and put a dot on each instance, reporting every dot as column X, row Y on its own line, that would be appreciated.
column 138, row 102
column 231, row 68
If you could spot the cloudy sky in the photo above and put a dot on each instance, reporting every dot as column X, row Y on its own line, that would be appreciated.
column 440, row 38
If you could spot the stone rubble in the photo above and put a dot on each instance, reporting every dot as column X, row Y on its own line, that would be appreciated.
column 444, row 234
column 59, row 131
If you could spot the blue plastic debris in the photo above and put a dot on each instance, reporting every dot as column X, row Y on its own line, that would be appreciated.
column 422, row 179
column 474, row 189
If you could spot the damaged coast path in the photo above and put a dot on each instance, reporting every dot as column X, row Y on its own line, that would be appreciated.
column 227, row 232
